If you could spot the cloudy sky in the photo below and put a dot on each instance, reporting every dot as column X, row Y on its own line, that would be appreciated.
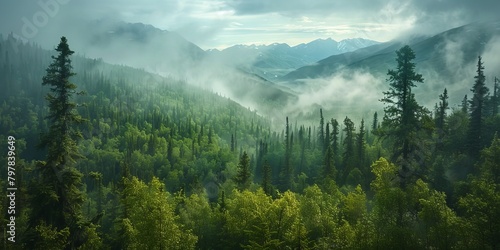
column 222, row 23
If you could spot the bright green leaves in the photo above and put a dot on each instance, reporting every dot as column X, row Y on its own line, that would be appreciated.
column 481, row 205
column 385, row 173
column 399, row 213
column 150, row 222
column 51, row 238
column 256, row 220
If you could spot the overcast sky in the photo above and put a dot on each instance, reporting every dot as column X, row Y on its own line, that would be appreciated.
column 222, row 23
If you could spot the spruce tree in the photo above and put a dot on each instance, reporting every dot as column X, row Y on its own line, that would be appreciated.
column 440, row 118
column 335, row 139
column 495, row 98
column 329, row 170
column 56, row 196
column 360, row 145
column 266, row 179
column 321, row 133
column 402, row 113
column 243, row 177
column 375, row 122
column 348, row 155
column 465, row 105
column 327, row 136
column 287, row 171
column 476, row 124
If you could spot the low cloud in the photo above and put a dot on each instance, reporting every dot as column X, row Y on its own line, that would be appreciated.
column 491, row 58
column 355, row 94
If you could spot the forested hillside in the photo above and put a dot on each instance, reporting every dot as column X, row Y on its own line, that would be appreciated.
column 155, row 163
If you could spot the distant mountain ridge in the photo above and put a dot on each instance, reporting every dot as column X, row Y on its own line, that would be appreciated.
column 141, row 45
column 168, row 54
column 469, row 41
column 277, row 59
column 446, row 60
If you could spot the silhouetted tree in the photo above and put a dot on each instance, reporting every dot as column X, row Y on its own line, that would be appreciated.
column 476, row 123
column 243, row 177
column 321, row 132
column 375, row 122
column 465, row 105
column 441, row 118
column 287, row 171
column 335, row 140
column 56, row 196
column 266, row 178
column 329, row 170
column 349, row 153
column 495, row 98
column 402, row 113
column 360, row 145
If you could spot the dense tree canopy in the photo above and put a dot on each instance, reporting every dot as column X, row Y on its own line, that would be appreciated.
column 161, row 164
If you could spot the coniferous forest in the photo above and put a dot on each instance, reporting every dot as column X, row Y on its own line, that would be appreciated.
column 113, row 157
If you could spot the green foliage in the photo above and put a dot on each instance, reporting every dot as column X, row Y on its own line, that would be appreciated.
column 56, row 196
column 481, row 206
column 329, row 170
column 62, row 135
column 244, row 174
column 490, row 161
column 148, row 137
column 403, row 116
column 440, row 224
column 477, row 107
column 349, row 149
column 50, row 237
column 197, row 217
column 482, row 217
column 266, row 180
column 150, row 221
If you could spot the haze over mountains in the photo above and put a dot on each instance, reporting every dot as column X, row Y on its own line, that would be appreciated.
column 167, row 53
column 348, row 74
column 239, row 72
column 274, row 60
column 446, row 60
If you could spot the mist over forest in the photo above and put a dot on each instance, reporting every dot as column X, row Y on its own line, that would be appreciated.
column 229, row 124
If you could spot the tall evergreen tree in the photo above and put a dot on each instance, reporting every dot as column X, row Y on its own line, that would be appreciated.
column 465, row 105
column 287, row 171
column 495, row 98
column 56, row 196
column 476, row 119
column 329, row 170
column 335, row 139
column 327, row 136
column 349, row 152
column 321, row 133
column 261, row 155
column 360, row 145
column 441, row 117
column 375, row 122
column 266, row 178
column 243, row 177
column 402, row 113
column 302, row 144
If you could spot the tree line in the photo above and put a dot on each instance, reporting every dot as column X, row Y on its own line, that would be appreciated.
column 141, row 161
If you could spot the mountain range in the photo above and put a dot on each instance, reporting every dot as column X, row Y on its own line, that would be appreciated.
column 435, row 52
column 161, row 51
column 447, row 59
column 270, row 76
column 275, row 60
